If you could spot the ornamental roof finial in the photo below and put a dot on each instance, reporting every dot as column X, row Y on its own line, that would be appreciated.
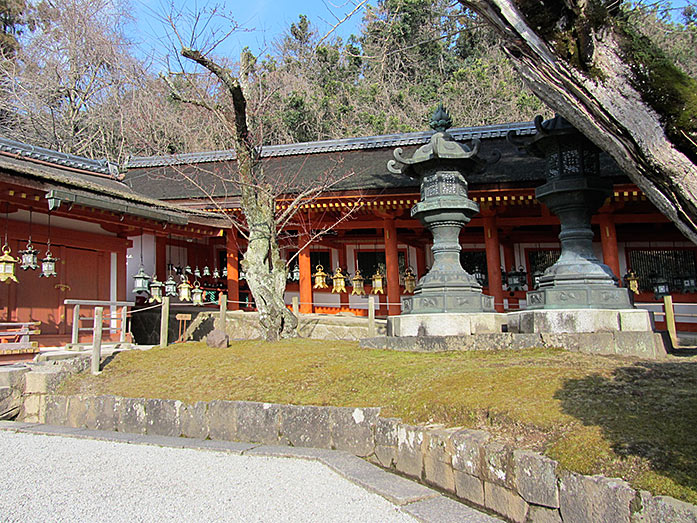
column 441, row 120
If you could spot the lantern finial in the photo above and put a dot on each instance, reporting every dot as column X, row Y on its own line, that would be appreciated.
column 441, row 120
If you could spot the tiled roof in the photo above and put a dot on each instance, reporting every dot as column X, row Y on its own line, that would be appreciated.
column 58, row 158
column 327, row 146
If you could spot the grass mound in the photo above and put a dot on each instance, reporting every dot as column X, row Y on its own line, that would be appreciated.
column 607, row 415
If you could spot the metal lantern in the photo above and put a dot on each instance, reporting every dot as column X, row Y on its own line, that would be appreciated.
column 48, row 265
column 296, row 273
column 320, row 278
column 660, row 287
column 197, row 294
column 7, row 265
column 409, row 280
column 216, row 273
column 170, row 286
column 156, row 290
column 504, row 276
column 689, row 284
column 479, row 275
column 516, row 279
column 197, row 272
column 184, row 290
column 206, row 271
column 339, row 281
column 225, row 272
column 358, row 284
column 187, row 269
column 536, row 279
column 378, row 281
column 631, row 281
column 140, row 281
column 30, row 257
column 178, row 269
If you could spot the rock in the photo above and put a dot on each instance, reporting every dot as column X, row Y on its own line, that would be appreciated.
column 217, row 339
column 594, row 498
column 535, row 478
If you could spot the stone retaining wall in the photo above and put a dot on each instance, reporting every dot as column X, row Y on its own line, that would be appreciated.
column 520, row 485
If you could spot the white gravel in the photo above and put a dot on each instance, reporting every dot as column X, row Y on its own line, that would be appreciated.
column 56, row 478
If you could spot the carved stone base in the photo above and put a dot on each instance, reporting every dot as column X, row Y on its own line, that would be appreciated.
column 445, row 324
column 429, row 301
column 561, row 321
column 579, row 297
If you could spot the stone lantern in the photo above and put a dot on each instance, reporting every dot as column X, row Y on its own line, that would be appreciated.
column 441, row 166
column 574, row 191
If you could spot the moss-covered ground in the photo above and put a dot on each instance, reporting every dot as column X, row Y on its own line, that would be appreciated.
column 619, row 417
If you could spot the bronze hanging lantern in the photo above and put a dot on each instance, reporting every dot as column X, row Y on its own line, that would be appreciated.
column 225, row 272
column 170, row 286
column 320, row 278
column 660, row 286
column 216, row 273
column 184, row 290
column 689, row 284
column 30, row 257
column 536, row 275
column 339, row 281
column 631, row 281
column 479, row 275
column 517, row 279
column 197, row 294
column 197, row 272
column 358, row 282
column 409, row 280
column 296, row 272
column 48, row 264
column 155, row 290
column 206, row 271
column 7, row 265
column 378, row 281
column 141, row 281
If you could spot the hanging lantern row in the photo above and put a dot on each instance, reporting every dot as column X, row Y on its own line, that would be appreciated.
column 29, row 258
column 516, row 279
column 340, row 279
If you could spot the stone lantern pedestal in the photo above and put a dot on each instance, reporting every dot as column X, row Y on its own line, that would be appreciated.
column 446, row 298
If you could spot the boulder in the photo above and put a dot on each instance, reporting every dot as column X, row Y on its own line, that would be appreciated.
column 217, row 339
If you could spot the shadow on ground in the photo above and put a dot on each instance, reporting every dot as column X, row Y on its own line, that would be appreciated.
column 648, row 414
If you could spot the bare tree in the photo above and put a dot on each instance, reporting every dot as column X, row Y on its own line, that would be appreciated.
column 585, row 61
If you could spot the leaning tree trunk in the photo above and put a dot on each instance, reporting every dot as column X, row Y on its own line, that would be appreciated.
column 577, row 57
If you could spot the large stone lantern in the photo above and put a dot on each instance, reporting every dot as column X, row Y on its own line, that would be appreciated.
column 441, row 166
column 574, row 191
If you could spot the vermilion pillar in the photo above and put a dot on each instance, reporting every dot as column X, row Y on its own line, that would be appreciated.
column 493, row 261
column 161, row 257
column 608, row 241
column 392, row 262
column 305, row 274
column 420, row 268
column 233, row 275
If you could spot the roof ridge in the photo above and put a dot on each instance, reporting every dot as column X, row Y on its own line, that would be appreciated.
column 337, row 145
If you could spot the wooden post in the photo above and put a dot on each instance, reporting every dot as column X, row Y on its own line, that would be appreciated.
column 608, row 242
column 670, row 319
column 97, row 339
column 296, row 308
column 223, row 311
column 392, row 266
column 164, row 321
column 305, row 267
column 161, row 257
column 493, row 261
column 124, row 321
column 76, row 325
column 233, row 274
column 371, row 316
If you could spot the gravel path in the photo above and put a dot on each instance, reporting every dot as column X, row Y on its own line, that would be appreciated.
column 55, row 478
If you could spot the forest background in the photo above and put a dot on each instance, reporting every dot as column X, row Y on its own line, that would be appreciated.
column 71, row 79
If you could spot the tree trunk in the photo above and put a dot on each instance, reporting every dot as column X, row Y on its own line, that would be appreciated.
column 594, row 86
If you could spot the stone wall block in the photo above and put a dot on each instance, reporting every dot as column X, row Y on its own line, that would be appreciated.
column 505, row 502
column 131, row 415
column 56, row 410
column 438, row 455
column 659, row 509
column 33, row 408
column 535, row 478
column 258, row 422
column 386, row 430
column 306, row 426
column 222, row 421
column 468, row 453
column 594, row 498
column 537, row 514
column 469, row 488
column 76, row 412
column 352, row 429
column 409, row 458
column 37, row 381
column 13, row 377
column 162, row 417
column 194, row 420
column 107, row 416
column 498, row 464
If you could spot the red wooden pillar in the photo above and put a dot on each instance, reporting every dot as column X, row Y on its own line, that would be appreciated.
column 121, row 265
column 608, row 241
column 493, row 260
column 420, row 262
column 343, row 297
column 392, row 263
column 161, row 257
column 233, row 275
column 305, row 273
column 508, row 256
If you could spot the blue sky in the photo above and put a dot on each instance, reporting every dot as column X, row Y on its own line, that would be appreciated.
column 263, row 20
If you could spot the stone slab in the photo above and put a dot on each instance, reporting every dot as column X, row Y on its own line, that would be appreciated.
column 594, row 498
column 562, row 321
column 445, row 510
column 445, row 324
column 506, row 502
